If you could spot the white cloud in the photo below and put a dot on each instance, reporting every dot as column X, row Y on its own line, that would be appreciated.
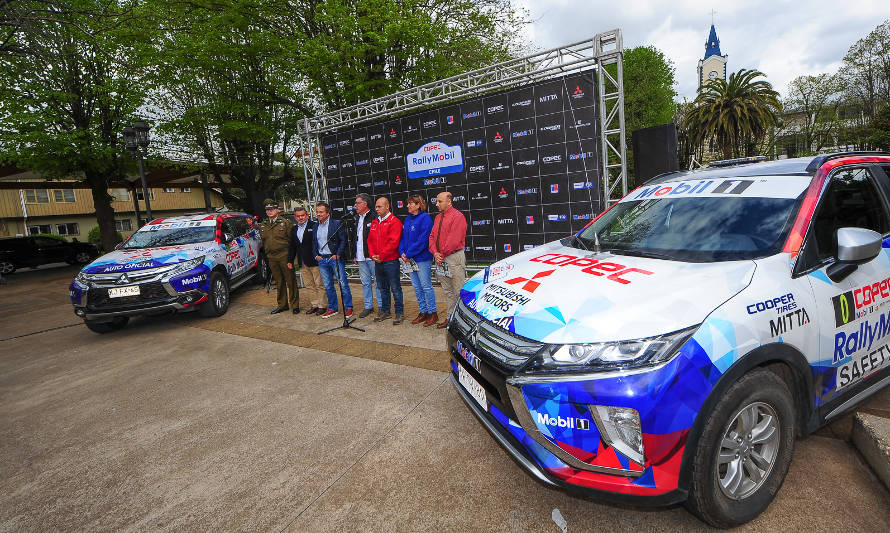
column 784, row 39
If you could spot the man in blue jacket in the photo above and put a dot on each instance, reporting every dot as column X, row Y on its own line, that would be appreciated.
column 328, row 247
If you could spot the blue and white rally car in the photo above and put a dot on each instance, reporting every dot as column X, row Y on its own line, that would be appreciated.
column 171, row 264
column 675, row 348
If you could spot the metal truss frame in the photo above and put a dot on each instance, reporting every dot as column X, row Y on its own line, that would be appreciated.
column 603, row 50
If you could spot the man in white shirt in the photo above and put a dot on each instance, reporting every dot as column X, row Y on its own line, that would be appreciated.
column 364, row 217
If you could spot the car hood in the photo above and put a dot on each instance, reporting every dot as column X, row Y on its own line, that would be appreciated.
column 141, row 258
column 558, row 294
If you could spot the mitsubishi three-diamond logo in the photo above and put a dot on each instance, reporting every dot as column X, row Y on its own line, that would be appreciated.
column 530, row 284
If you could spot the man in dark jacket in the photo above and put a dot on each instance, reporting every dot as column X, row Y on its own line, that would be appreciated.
column 301, row 238
column 360, row 255
column 328, row 247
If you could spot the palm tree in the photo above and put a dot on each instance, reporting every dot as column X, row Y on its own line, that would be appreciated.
column 735, row 113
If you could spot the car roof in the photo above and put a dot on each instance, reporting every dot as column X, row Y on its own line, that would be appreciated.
column 196, row 217
column 798, row 166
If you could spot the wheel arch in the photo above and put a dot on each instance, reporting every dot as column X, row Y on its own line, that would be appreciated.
column 782, row 359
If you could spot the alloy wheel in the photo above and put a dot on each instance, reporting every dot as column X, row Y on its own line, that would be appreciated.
column 748, row 450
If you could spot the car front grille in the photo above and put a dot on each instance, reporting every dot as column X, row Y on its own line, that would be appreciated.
column 150, row 294
column 489, row 341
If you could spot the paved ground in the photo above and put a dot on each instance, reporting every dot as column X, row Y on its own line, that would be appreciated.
column 253, row 422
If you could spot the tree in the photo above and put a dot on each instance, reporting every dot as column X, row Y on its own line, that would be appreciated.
column 67, row 89
column 736, row 113
column 812, row 108
column 880, row 126
column 648, row 91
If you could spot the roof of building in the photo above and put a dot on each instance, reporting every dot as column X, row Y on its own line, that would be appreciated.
column 712, row 47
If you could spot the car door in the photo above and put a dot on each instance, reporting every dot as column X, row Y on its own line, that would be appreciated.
column 854, row 315
column 236, row 246
column 51, row 250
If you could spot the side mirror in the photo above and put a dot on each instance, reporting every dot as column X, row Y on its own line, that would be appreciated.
column 855, row 246
column 227, row 237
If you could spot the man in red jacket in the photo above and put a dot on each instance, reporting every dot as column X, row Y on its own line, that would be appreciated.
column 447, row 241
column 383, row 247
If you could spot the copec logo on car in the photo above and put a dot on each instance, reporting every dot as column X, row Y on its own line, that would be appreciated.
column 435, row 158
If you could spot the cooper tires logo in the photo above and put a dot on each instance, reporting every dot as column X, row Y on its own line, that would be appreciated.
column 844, row 311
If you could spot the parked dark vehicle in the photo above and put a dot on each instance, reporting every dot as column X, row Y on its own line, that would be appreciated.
column 19, row 252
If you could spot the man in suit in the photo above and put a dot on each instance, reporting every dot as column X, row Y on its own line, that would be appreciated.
column 328, row 247
column 301, row 248
column 363, row 219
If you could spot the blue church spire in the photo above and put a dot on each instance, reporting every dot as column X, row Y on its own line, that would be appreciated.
column 712, row 47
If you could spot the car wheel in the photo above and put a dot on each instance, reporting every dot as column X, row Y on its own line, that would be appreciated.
column 218, row 299
column 6, row 267
column 83, row 258
column 107, row 327
column 262, row 271
column 744, row 451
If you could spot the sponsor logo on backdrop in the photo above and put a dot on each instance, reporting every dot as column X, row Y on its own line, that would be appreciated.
column 395, row 156
column 485, row 248
column 548, row 98
column 552, row 127
column 527, row 246
column 582, row 185
column 480, row 196
column 581, row 124
column 441, row 180
column 578, row 92
column 501, row 166
column 557, row 218
column 508, row 248
column 498, row 138
column 506, row 221
column 522, row 103
column 485, row 222
column 329, row 146
column 379, row 159
column 366, row 184
column 474, row 143
column 581, row 155
column 449, row 119
column 379, row 183
column 527, row 162
column 585, row 216
column 361, row 162
column 531, row 190
column 398, row 180
column 332, row 167
column 529, row 219
column 502, row 193
column 344, row 142
column 554, row 188
column 472, row 114
column 477, row 168
column 495, row 109
column 430, row 123
column 552, row 159
column 346, row 165
column 376, row 136
column 360, row 139
column 335, row 189
column 411, row 128
column 392, row 132
column 521, row 133
column 458, row 198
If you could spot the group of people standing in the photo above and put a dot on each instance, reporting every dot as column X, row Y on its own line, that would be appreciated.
column 382, row 246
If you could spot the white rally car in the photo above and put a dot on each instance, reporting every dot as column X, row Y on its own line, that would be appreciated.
column 171, row 264
column 675, row 348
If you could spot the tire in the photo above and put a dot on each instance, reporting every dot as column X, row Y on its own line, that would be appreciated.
column 107, row 327
column 82, row 258
column 262, row 272
column 751, row 432
column 218, row 299
column 6, row 267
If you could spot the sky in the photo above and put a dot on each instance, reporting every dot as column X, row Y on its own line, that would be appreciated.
column 782, row 39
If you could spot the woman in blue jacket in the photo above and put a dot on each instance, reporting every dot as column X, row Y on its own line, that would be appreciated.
column 414, row 245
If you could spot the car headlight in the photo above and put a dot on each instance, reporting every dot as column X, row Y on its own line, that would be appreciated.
column 183, row 267
column 81, row 277
column 634, row 353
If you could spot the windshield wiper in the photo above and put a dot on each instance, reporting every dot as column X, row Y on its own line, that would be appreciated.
column 642, row 253
column 579, row 240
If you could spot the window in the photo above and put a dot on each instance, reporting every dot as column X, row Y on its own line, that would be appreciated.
column 63, row 195
column 169, row 189
column 123, row 225
column 141, row 197
column 851, row 200
column 71, row 228
column 41, row 228
column 36, row 196
column 185, row 189
column 120, row 195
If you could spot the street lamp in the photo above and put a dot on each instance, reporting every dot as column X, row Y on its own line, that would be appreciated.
column 136, row 140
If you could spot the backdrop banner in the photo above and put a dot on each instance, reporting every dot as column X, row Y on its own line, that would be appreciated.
column 524, row 165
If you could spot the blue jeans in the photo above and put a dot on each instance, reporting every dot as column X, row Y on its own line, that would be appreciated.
column 329, row 272
column 366, row 273
column 388, row 279
column 423, row 287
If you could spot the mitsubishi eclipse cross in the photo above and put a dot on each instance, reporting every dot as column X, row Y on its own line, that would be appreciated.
column 171, row 264
column 674, row 349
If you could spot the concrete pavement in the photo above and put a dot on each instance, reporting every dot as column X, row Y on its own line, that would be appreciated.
column 253, row 422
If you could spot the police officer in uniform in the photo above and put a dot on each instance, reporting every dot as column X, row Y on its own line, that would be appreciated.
column 275, row 232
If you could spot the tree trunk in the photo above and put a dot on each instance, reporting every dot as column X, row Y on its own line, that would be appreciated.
column 104, row 212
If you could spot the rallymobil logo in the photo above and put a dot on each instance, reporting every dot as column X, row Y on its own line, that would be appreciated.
column 567, row 422
column 434, row 158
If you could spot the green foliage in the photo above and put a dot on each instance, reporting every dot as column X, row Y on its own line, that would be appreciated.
column 95, row 237
column 812, row 109
column 51, row 236
column 880, row 129
column 736, row 113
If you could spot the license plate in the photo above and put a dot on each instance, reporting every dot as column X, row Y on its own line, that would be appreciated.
column 476, row 390
column 123, row 291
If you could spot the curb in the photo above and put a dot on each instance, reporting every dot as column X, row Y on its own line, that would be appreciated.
column 871, row 436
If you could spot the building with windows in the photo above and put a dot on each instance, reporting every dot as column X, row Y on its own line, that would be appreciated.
column 713, row 65
column 70, row 212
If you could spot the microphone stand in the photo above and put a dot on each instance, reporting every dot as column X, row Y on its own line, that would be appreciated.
column 347, row 324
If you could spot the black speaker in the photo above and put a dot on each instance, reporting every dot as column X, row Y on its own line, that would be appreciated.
column 655, row 151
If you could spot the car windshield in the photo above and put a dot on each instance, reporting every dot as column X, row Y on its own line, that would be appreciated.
column 692, row 228
column 150, row 238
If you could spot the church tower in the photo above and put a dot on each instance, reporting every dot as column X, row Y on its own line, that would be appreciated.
column 713, row 65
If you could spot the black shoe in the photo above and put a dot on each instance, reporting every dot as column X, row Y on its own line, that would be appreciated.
column 382, row 315
column 276, row 311
column 296, row 311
